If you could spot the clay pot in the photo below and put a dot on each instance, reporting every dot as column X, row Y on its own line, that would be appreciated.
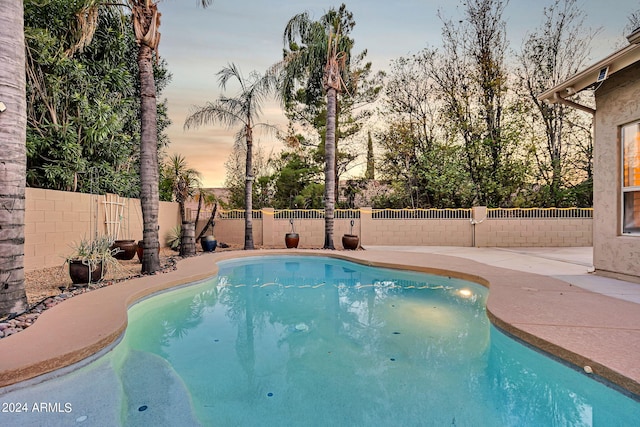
column 291, row 240
column 350, row 241
column 140, row 250
column 127, row 249
column 80, row 274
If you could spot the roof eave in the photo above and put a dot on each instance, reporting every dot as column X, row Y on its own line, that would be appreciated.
column 580, row 81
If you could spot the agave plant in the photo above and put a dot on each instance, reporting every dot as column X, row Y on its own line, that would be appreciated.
column 174, row 237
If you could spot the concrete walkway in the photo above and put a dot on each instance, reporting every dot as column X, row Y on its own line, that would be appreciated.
column 572, row 265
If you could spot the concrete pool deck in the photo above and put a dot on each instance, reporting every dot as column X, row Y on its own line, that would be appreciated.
column 554, row 310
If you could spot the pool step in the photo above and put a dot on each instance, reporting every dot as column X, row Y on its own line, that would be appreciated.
column 154, row 394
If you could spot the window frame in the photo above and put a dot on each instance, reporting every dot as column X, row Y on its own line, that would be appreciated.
column 628, row 189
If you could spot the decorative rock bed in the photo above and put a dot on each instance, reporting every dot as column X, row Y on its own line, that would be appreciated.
column 14, row 324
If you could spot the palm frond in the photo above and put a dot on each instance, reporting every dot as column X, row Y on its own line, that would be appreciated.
column 211, row 113
column 229, row 72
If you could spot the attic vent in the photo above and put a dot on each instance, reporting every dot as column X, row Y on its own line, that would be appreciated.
column 602, row 75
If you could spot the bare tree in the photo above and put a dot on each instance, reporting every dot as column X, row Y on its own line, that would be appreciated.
column 633, row 23
column 472, row 81
column 558, row 49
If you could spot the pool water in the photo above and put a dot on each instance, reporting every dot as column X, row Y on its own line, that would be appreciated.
column 318, row 341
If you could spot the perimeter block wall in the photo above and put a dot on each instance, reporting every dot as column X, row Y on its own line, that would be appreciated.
column 481, row 232
column 54, row 220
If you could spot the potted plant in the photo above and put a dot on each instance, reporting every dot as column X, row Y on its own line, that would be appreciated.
column 90, row 260
column 291, row 239
column 350, row 241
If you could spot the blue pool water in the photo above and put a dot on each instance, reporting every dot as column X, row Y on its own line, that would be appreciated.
column 318, row 341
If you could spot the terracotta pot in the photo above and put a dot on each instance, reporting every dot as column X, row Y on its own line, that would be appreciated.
column 79, row 273
column 140, row 250
column 291, row 240
column 127, row 249
column 350, row 241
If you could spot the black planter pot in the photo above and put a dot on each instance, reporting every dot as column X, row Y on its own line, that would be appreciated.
column 291, row 240
column 80, row 274
column 350, row 241
column 126, row 249
column 209, row 243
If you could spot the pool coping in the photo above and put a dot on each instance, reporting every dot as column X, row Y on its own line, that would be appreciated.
column 577, row 326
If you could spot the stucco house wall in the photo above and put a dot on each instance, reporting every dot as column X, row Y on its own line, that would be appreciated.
column 617, row 104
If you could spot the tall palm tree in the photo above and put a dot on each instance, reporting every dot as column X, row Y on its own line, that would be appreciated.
column 244, row 109
column 146, row 22
column 13, row 157
column 319, row 54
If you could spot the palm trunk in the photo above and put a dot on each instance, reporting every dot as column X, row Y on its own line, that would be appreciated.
column 149, row 195
column 13, row 158
column 330, row 168
column 248, row 192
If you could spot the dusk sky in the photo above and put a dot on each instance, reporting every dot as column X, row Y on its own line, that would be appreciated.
column 197, row 43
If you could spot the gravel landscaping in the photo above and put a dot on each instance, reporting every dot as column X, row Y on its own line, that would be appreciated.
column 48, row 287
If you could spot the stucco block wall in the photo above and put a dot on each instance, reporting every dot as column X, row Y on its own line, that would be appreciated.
column 231, row 231
column 528, row 232
column 617, row 104
column 54, row 220
column 524, row 232
column 418, row 232
column 270, row 231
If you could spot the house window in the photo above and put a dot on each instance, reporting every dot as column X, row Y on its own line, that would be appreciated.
column 630, row 136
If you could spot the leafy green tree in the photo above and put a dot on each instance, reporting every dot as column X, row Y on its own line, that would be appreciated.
column 82, row 103
column 13, row 119
column 88, row 106
column 370, row 173
column 297, row 182
column 243, row 109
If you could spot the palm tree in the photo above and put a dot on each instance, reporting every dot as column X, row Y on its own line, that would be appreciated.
column 244, row 109
column 184, row 183
column 320, row 50
column 183, row 180
column 146, row 22
column 13, row 157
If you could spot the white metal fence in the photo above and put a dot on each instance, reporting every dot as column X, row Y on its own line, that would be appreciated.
column 541, row 213
column 461, row 213
column 447, row 213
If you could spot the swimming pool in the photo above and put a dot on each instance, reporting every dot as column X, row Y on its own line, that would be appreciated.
column 319, row 341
